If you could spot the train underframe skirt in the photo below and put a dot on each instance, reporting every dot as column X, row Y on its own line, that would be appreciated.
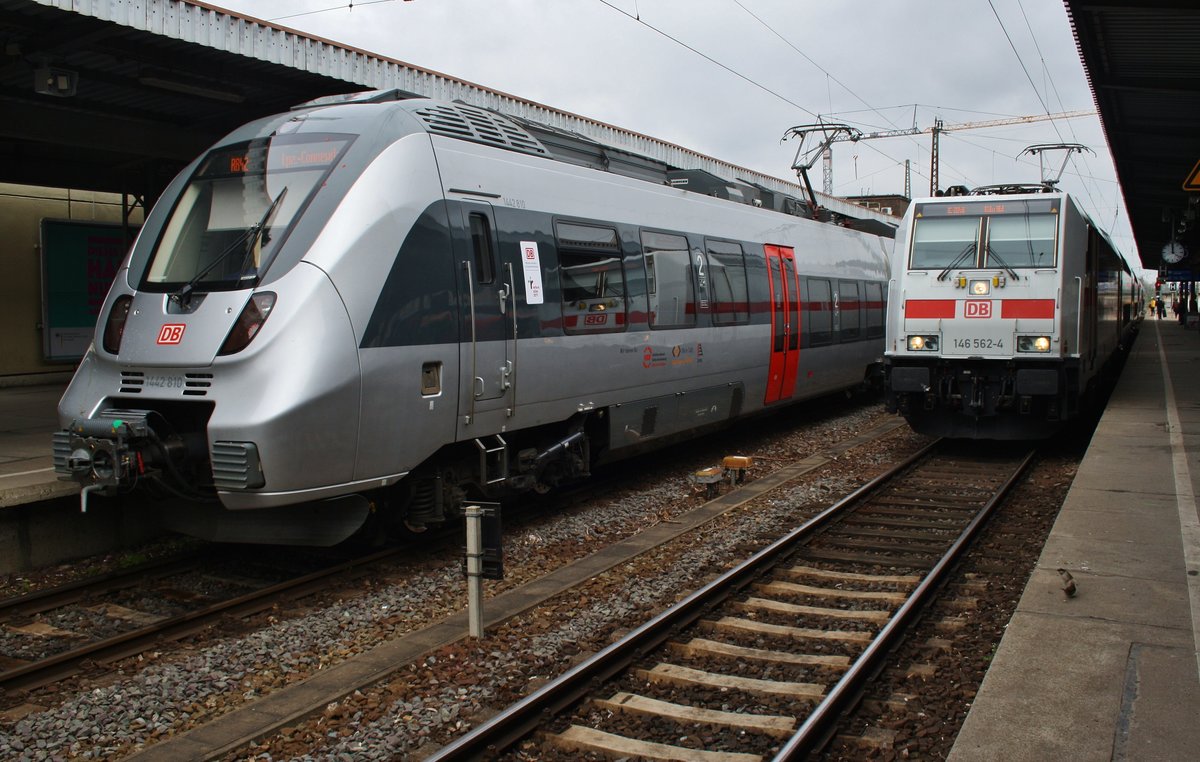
column 983, row 400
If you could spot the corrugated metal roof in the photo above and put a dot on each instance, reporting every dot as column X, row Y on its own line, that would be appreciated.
column 158, row 80
column 1142, row 58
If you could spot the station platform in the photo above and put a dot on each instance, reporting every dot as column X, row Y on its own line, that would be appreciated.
column 40, row 520
column 28, row 419
column 1112, row 673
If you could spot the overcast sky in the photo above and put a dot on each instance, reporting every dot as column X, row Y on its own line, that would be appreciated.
column 757, row 67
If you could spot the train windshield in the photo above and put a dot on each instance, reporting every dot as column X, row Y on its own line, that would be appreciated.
column 944, row 241
column 235, row 211
column 1018, row 241
column 1005, row 234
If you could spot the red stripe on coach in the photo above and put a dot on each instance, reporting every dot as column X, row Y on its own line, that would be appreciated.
column 929, row 308
column 1027, row 308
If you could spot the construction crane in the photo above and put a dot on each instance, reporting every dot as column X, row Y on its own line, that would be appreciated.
column 936, row 130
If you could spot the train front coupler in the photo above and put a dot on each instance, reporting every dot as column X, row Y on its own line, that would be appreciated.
column 106, row 454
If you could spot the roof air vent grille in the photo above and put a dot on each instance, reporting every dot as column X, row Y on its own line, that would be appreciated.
column 479, row 126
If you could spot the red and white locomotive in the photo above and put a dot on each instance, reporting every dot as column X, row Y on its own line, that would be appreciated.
column 1005, row 306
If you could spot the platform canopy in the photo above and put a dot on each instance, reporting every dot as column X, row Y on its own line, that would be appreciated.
column 1143, row 60
column 118, row 95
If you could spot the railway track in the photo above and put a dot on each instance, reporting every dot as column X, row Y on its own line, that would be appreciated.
column 65, row 630
column 763, row 661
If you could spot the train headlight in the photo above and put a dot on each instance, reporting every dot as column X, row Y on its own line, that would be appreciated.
column 114, row 327
column 980, row 287
column 922, row 343
column 1033, row 343
column 248, row 323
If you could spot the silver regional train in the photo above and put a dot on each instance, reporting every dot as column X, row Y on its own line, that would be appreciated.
column 373, row 307
column 1006, row 305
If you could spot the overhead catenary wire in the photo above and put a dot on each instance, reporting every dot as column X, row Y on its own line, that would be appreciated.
column 1074, row 157
column 1020, row 60
column 347, row 6
column 637, row 19
column 1047, row 91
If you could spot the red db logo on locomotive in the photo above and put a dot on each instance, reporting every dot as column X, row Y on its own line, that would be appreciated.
column 171, row 333
column 978, row 308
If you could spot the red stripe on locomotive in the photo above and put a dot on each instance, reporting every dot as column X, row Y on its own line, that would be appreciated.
column 929, row 308
column 1027, row 308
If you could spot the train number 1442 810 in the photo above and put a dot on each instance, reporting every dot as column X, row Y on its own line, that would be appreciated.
column 979, row 343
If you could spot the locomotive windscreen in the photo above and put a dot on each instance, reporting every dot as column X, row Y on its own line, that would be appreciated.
column 230, row 217
column 1004, row 234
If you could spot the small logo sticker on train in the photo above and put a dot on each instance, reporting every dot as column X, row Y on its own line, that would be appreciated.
column 978, row 308
column 531, row 267
column 171, row 333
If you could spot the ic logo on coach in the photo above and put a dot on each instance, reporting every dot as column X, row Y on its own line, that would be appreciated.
column 978, row 308
column 171, row 333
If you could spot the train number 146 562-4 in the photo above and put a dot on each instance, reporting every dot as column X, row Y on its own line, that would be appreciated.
column 979, row 343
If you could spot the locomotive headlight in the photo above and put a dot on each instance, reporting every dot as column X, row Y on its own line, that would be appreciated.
column 1033, row 343
column 980, row 288
column 922, row 343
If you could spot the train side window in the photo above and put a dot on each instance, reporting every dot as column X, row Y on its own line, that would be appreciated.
column 819, row 311
column 727, row 276
column 669, row 278
column 874, row 294
column 592, row 279
column 850, row 322
column 481, row 244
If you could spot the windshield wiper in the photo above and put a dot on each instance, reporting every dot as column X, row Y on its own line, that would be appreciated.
column 968, row 250
column 1000, row 260
column 248, row 240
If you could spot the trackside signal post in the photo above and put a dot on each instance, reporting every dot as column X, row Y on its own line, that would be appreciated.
column 484, row 558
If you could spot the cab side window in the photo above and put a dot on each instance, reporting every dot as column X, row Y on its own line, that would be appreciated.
column 481, row 245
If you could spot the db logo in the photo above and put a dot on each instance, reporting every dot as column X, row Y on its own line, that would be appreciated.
column 978, row 308
column 171, row 333
column 595, row 319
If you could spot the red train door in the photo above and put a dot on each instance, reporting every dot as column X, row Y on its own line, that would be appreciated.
column 785, row 323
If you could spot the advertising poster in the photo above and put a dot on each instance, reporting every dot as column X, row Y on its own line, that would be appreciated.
column 79, row 261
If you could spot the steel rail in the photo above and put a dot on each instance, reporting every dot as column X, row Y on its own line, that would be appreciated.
column 515, row 722
column 821, row 722
column 59, row 666
column 53, row 597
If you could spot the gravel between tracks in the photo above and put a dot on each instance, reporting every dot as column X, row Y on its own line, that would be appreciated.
column 430, row 702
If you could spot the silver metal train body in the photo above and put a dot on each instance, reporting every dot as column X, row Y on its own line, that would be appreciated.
column 1004, row 311
column 376, row 308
